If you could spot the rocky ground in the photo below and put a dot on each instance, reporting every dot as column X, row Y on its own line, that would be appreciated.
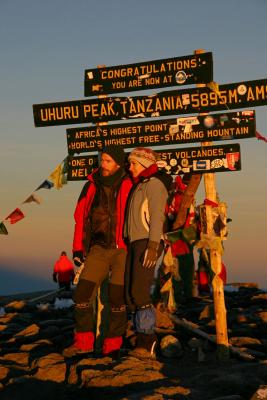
column 33, row 336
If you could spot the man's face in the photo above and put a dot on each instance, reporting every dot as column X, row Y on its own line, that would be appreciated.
column 108, row 165
column 135, row 168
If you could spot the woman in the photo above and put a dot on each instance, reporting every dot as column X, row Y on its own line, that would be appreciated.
column 144, row 232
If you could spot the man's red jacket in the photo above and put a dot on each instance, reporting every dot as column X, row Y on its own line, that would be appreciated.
column 83, row 208
column 64, row 269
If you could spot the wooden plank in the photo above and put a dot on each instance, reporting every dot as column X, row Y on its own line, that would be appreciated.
column 216, row 127
column 190, row 326
column 223, row 158
column 168, row 72
column 174, row 102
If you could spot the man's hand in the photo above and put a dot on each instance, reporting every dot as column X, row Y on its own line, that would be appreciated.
column 151, row 255
column 78, row 258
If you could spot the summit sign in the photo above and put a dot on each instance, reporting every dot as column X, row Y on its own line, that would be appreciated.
column 168, row 72
column 201, row 128
column 176, row 102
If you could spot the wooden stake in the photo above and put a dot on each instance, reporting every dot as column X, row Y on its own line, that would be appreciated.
column 216, row 265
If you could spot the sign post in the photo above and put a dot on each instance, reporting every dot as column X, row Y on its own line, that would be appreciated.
column 216, row 266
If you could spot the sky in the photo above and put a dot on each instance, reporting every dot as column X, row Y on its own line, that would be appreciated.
column 45, row 48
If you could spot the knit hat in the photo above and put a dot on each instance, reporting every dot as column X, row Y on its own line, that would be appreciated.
column 116, row 152
column 144, row 156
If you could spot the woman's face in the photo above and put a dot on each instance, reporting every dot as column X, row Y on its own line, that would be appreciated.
column 135, row 168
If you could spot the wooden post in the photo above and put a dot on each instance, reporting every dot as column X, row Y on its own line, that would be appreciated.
column 216, row 265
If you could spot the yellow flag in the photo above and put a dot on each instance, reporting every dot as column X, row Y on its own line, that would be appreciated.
column 56, row 177
column 214, row 87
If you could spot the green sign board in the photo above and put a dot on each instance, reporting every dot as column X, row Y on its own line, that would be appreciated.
column 193, row 160
column 168, row 72
column 174, row 102
column 201, row 128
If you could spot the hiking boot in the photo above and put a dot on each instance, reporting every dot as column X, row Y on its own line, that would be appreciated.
column 73, row 351
column 142, row 353
column 111, row 345
column 83, row 344
column 145, row 346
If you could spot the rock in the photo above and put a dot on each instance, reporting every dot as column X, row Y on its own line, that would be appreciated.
column 32, row 366
column 244, row 341
column 231, row 397
column 21, row 359
column 31, row 330
column 245, row 285
column 260, row 394
column 170, row 347
column 7, row 318
column 16, row 305
column 32, row 346
column 56, row 322
column 50, row 332
column 259, row 297
column 263, row 316
column 51, row 368
column 163, row 320
column 3, row 372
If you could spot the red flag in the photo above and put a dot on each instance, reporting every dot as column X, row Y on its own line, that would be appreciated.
column 208, row 202
column 15, row 216
column 260, row 137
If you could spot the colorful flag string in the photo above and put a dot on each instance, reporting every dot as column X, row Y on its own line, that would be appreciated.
column 56, row 179
column 260, row 137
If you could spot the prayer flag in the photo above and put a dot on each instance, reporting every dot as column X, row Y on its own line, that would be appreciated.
column 3, row 230
column 260, row 137
column 33, row 198
column 65, row 165
column 45, row 185
column 214, row 87
column 56, row 177
column 173, row 236
column 15, row 216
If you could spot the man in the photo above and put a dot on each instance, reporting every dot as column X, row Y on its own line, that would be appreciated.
column 144, row 230
column 99, row 219
column 63, row 271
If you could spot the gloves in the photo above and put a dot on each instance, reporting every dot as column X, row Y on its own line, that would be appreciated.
column 78, row 258
column 55, row 277
column 151, row 255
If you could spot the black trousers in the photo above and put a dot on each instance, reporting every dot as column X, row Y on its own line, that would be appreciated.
column 138, row 280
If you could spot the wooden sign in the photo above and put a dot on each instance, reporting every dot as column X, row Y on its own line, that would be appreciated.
column 192, row 160
column 215, row 127
column 175, row 102
column 79, row 167
column 168, row 72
